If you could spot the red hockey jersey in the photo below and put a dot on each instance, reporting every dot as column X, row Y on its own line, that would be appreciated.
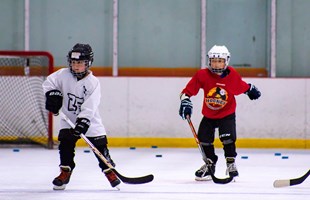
column 219, row 93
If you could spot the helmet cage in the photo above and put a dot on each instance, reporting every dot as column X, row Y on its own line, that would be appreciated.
column 79, row 74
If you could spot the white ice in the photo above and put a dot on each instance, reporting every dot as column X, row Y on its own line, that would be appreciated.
column 27, row 175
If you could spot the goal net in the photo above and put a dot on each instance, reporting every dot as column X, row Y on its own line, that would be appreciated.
column 23, row 117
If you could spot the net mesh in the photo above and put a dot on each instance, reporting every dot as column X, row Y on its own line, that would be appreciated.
column 23, row 118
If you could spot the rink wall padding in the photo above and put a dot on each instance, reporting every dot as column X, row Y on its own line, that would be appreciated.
column 143, row 111
column 190, row 143
column 153, row 71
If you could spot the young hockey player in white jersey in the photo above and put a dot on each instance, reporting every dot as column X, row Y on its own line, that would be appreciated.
column 76, row 91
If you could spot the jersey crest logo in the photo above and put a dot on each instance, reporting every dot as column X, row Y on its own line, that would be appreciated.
column 74, row 103
column 84, row 90
column 216, row 98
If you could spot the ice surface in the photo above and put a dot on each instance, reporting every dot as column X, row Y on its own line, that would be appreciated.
column 28, row 174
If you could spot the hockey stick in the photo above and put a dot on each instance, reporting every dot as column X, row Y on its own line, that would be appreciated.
column 215, row 179
column 129, row 180
column 290, row 182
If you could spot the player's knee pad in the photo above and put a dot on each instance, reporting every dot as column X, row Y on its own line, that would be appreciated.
column 99, row 140
column 206, row 144
column 66, row 136
column 67, row 143
column 227, row 138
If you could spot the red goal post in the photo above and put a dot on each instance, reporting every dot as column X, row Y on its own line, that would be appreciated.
column 23, row 117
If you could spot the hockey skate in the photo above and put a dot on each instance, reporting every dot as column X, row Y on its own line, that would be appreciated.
column 63, row 179
column 231, row 170
column 203, row 173
column 114, row 181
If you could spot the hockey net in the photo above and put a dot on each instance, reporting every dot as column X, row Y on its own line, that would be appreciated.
column 23, row 118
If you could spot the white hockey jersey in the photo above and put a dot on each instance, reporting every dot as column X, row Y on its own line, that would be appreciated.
column 80, row 99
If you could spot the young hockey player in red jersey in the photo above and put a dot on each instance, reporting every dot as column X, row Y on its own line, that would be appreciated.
column 220, row 84
column 76, row 91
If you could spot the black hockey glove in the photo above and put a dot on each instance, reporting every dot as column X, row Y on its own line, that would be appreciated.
column 53, row 101
column 81, row 126
column 186, row 108
column 253, row 92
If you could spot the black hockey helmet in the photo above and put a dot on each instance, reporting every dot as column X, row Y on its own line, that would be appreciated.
column 81, row 52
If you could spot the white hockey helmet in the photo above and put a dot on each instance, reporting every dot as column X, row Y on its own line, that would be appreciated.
column 218, row 52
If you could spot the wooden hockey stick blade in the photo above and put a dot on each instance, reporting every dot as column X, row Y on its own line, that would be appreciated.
column 124, row 179
column 290, row 182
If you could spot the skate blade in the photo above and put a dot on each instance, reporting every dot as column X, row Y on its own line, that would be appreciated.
column 117, row 187
column 206, row 178
column 235, row 178
column 59, row 187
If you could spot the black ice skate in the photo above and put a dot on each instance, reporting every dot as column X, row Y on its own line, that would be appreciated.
column 231, row 167
column 203, row 173
column 63, row 179
column 114, row 181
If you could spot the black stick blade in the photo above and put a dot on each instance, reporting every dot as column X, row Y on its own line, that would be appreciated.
column 299, row 180
column 219, row 180
column 134, row 180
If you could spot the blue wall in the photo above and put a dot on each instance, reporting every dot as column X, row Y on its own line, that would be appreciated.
column 293, row 38
column 163, row 33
